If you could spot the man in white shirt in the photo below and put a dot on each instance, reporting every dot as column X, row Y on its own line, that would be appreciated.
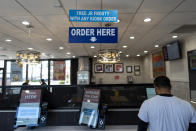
column 165, row 112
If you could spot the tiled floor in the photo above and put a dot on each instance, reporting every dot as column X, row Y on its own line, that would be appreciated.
column 80, row 128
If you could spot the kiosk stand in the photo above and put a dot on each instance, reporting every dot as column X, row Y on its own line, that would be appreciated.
column 89, row 111
column 30, row 112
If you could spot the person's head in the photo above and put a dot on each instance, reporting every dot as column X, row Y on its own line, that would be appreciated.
column 42, row 80
column 27, row 81
column 162, row 85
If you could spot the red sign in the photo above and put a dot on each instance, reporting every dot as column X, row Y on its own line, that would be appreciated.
column 158, row 64
column 91, row 95
column 59, row 70
column 30, row 96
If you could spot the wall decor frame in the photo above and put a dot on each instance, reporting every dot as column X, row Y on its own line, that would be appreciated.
column 129, row 69
column 136, row 68
column 109, row 68
column 118, row 68
column 98, row 68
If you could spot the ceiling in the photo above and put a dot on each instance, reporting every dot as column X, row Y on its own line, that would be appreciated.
column 50, row 20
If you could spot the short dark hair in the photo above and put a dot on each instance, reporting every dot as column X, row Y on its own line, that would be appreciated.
column 162, row 82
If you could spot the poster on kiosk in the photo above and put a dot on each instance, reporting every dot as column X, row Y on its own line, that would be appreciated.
column 89, row 111
column 28, row 111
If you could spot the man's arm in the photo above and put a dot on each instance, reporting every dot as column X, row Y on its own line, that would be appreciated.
column 142, row 126
column 192, row 127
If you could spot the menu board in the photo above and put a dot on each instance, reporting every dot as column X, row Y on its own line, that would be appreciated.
column 89, row 111
column 28, row 111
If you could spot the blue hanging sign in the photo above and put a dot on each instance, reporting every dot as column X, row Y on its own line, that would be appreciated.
column 93, row 35
column 93, row 15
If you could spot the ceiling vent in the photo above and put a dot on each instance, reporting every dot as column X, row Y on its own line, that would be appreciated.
column 185, row 29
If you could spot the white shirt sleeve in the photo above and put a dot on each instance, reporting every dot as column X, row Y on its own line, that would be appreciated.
column 143, row 112
column 193, row 115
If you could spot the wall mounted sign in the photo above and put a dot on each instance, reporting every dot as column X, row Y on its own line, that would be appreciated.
column 16, row 72
column 158, row 64
column 93, row 15
column 93, row 35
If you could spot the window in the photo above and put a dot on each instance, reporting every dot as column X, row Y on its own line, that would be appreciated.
column 15, row 74
column 1, row 63
column 36, row 72
column 60, row 72
column 1, row 77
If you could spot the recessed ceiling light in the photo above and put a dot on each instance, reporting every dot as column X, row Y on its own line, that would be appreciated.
column 44, row 54
column 124, row 46
column 49, row 39
column 61, row 48
column 92, row 47
column 52, row 57
column 138, row 54
column 147, row 19
column 174, row 36
column 156, row 46
column 145, row 51
column 117, row 21
column 127, row 55
column 120, row 51
column 132, row 37
column 95, row 56
column 74, row 56
column 68, row 53
column 8, row 40
column 25, row 23
column 30, row 48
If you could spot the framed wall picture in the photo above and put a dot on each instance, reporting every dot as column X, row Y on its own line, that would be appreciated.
column 136, row 68
column 99, row 68
column 129, row 69
column 118, row 68
column 109, row 68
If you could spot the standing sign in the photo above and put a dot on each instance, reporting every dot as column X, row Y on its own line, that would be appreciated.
column 158, row 64
column 89, row 111
column 28, row 111
column 16, row 72
column 93, row 15
column 93, row 35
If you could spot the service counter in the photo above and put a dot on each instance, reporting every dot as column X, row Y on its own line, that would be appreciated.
column 64, row 103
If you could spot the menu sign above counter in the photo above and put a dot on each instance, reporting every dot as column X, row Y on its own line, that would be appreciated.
column 93, row 35
column 93, row 15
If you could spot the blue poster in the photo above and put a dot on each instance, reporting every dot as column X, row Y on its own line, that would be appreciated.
column 93, row 15
column 16, row 72
column 93, row 35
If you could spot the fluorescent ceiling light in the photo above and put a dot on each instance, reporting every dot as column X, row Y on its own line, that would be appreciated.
column 132, row 37
column 92, row 47
column 124, row 46
column 30, row 48
column 147, row 20
column 174, row 36
column 49, row 39
column 156, row 46
column 61, row 48
column 8, row 40
column 25, row 23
